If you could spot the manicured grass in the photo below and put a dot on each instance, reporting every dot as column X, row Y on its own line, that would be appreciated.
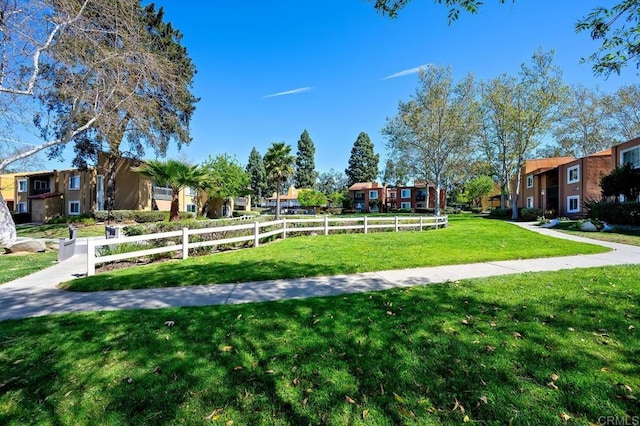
column 526, row 349
column 16, row 266
column 58, row 230
column 466, row 240
column 618, row 235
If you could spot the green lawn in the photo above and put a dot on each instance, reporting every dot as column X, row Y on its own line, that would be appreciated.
column 527, row 349
column 16, row 266
column 466, row 240
column 57, row 230
column 618, row 235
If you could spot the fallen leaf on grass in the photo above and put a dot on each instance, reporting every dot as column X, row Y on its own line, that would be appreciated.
column 365, row 414
column 631, row 327
column 215, row 415
column 18, row 361
column 398, row 398
column 466, row 419
column 304, row 402
column 565, row 417
column 554, row 377
column 227, row 348
column 552, row 385
column 269, row 372
column 458, row 406
column 516, row 335
column 484, row 399
column 349, row 399
column 169, row 323
column 239, row 367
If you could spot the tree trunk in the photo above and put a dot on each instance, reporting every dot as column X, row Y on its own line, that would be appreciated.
column 278, row 200
column 110, row 190
column 437, row 200
column 7, row 225
column 174, row 213
column 516, row 193
column 503, row 201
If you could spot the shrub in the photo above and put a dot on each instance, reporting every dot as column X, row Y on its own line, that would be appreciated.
column 117, row 215
column 132, row 230
column 615, row 213
column 530, row 214
column 147, row 216
column 86, row 221
column 501, row 213
column 476, row 210
column 423, row 211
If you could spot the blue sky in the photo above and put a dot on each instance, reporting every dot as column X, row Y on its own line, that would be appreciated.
column 333, row 57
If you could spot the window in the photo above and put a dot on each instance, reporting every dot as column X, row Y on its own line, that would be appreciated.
column 74, row 208
column 373, row 195
column 631, row 156
column 392, row 195
column 530, row 181
column 359, row 195
column 405, row 193
column 405, row 205
column 573, row 204
column 22, row 207
column 74, row 182
column 529, row 202
column 40, row 185
column 573, row 174
column 191, row 208
column 22, row 185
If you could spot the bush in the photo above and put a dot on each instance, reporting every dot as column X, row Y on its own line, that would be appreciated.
column 148, row 216
column 476, row 210
column 451, row 210
column 117, row 215
column 19, row 218
column 423, row 211
column 615, row 213
column 500, row 213
column 529, row 215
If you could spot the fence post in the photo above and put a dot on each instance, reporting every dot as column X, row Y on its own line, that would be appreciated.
column 396, row 218
column 326, row 225
column 91, row 261
column 256, row 234
column 421, row 223
column 365, row 225
column 284, row 228
column 185, row 243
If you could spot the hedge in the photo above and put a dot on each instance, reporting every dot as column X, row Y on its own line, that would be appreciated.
column 529, row 215
column 627, row 213
column 139, row 216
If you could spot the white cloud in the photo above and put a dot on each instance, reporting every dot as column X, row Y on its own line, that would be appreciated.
column 407, row 72
column 288, row 92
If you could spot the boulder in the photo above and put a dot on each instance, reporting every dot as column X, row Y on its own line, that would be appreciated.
column 31, row 246
column 588, row 227
column 7, row 227
column 551, row 223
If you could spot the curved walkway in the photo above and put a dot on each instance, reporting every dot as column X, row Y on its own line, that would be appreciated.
column 37, row 294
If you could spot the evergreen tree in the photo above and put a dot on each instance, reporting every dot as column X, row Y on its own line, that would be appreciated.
column 363, row 163
column 257, row 175
column 305, row 175
column 279, row 162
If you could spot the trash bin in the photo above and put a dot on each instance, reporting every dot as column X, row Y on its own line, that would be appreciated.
column 73, row 232
column 111, row 232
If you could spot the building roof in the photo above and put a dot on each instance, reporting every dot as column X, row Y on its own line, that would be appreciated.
column 359, row 186
column 607, row 152
column 292, row 194
column 537, row 164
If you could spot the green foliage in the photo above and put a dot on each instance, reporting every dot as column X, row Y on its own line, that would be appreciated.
column 615, row 213
column 225, row 177
column 363, row 162
column 500, row 213
column 395, row 173
column 278, row 163
column 477, row 188
column 257, row 175
column 529, row 215
column 623, row 180
column 305, row 173
column 331, row 182
column 311, row 198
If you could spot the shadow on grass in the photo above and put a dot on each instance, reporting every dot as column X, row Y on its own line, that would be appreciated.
column 405, row 356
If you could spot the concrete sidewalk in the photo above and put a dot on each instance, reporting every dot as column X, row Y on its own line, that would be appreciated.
column 37, row 295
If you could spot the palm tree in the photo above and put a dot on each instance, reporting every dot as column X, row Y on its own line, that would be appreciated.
column 278, row 162
column 175, row 175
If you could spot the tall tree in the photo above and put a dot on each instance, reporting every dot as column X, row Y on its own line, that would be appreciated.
column 226, row 178
column 477, row 188
column 432, row 132
column 538, row 91
column 305, row 174
column 616, row 26
column 174, row 174
column 363, row 162
column 257, row 175
column 583, row 125
column 625, row 111
column 395, row 173
column 331, row 181
column 279, row 162
column 131, row 81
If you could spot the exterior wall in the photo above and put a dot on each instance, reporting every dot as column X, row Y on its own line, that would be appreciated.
column 7, row 187
column 618, row 149
column 591, row 169
column 360, row 196
column 85, row 194
column 132, row 191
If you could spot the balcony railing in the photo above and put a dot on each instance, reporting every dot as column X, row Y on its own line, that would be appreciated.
column 162, row 193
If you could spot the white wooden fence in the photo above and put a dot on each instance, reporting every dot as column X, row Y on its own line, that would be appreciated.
column 252, row 232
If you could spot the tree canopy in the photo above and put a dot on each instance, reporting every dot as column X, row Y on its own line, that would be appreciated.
column 278, row 161
column 226, row 178
column 305, row 174
column 257, row 174
column 363, row 162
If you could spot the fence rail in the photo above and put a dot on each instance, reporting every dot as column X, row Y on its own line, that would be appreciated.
column 255, row 233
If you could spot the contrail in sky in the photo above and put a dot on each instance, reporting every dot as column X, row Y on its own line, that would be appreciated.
column 407, row 72
column 288, row 92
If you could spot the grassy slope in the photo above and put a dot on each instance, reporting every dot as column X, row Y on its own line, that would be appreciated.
column 525, row 349
column 16, row 266
column 466, row 240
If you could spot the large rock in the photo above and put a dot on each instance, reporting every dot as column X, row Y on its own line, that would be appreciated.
column 588, row 227
column 32, row 246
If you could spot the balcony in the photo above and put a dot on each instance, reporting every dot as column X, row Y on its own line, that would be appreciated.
column 162, row 193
